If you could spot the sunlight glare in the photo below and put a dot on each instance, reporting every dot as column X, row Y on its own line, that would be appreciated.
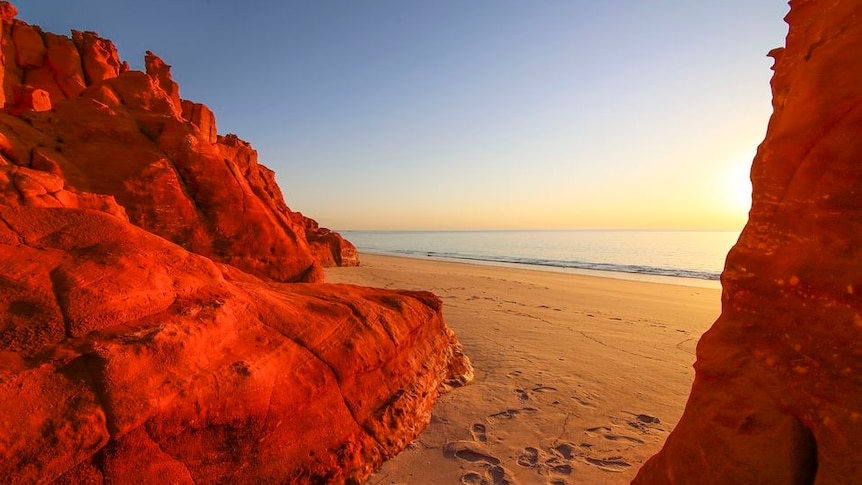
column 737, row 184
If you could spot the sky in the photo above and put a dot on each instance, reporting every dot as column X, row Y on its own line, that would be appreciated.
column 473, row 114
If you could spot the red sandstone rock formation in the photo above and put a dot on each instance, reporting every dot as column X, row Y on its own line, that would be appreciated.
column 38, row 188
column 135, row 347
column 124, row 358
column 327, row 246
column 777, row 398
column 84, row 111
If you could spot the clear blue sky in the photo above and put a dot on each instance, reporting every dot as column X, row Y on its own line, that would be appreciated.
column 473, row 114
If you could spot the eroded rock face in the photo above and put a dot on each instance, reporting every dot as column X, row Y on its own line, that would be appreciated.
column 179, row 179
column 136, row 343
column 124, row 357
column 328, row 246
column 777, row 397
column 38, row 188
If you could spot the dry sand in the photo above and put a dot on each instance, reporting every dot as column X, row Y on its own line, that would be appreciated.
column 579, row 379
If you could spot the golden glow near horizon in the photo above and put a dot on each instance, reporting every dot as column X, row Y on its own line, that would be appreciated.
column 709, row 194
column 687, row 172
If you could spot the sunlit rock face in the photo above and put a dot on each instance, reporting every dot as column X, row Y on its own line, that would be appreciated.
column 778, row 395
column 328, row 247
column 109, row 130
column 143, row 338
column 125, row 358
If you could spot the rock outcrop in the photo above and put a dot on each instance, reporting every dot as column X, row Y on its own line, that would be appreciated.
column 126, row 358
column 327, row 246
column 147, row 330
column 777, row 397
column 79, row 106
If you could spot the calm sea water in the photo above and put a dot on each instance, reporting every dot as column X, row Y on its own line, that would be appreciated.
column 686, row 256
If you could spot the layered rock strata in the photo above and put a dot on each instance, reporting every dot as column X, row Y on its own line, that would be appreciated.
column 147, row 332
column 777, row 397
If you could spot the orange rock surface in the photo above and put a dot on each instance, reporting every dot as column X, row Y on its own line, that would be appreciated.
column 327, row 246
column 148, row 332
column 777, row 397
column 125, row 357
column 84, row 110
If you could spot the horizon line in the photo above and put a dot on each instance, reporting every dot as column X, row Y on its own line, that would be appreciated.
column 629, row 229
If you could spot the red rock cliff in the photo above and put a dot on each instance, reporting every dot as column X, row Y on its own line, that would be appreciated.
column 135, row 345
column 77, row 109
column 777, row 397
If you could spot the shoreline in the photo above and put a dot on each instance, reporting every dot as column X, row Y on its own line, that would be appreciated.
column 598, row 273
column 579, row 378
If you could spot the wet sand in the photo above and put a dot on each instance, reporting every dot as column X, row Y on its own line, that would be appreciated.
column 579, row 379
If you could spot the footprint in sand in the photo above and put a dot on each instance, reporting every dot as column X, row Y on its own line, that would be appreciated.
column 645, row 424
column 500, row 476
column 557, row 471
column 565, row 450
column 647, row 419
column 475, row 453
column 613, row 464
column 479, row 432
column 605, row 432
column 556, row 465
column 473, row 478
column 495, row 475
column 525, row 395
column 474, row 457
column 529, row 458
column 511, row 413
column 469, row 451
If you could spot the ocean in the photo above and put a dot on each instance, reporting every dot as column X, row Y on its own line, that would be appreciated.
column 693, row 258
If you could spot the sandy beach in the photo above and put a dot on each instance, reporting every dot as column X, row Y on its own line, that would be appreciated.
column 579, row 379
